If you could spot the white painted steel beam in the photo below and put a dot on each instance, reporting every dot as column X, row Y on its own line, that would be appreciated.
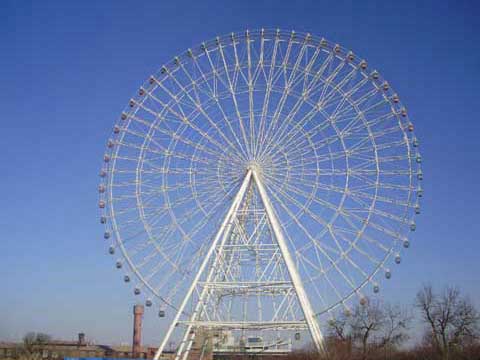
column 223, row 230
column 308, row 313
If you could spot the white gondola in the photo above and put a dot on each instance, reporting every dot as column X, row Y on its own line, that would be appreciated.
column 419, row 192
column 388, row 274
column 398, row 259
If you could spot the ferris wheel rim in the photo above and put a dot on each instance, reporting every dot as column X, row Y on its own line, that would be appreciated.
column 133, row 267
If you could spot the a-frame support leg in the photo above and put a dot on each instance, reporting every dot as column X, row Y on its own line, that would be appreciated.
column 222, row 234
column 308, row 313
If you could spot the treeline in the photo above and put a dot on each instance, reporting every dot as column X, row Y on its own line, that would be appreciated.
column 375, row 330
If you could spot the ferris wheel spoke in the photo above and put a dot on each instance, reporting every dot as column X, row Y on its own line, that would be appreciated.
column 320, row 247
column 266, row 99
column 162, row 148
column 297, row 191
column 314, row 110
column 298, row 223
column 178, row 186
column 286, row 89
column 342, row 103
column 321, row 71
column 358, row 86
column 371, row 108
column 231, row 92
column 199, row 107
column 250, row 98
column 293, row 136
column 373, row 184
column 370, row 185
column 337, row 88
column 324, row 273
column 186, row 121
column 343, row 213
column 352, row 245
column 355, row 126
column 218, row 200
column 166, row 132
column 291, row 83
column 355, row 245
column 179, row 249
column 374, row 91
column 327, row 226
column 287, row 123
column 361, row 149
column 231, row 87
column 328, row 83
column 288, row 139
column 319, row 293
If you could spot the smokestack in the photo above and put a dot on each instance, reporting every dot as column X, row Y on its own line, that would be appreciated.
column 81, row 339
column 137, row 330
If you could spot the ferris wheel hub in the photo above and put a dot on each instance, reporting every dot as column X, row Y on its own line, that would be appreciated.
column 254, row 165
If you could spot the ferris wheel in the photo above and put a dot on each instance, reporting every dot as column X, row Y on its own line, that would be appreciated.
column 257, row 183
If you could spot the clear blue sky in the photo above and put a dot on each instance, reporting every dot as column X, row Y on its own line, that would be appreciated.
column 67, row 68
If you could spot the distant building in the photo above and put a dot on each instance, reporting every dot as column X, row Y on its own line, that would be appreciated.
column 207, row 345
column 58, row 350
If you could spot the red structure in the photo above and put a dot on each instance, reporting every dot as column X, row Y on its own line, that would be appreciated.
column 137, row 330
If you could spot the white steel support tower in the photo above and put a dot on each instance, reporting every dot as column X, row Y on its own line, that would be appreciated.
column 275, row 275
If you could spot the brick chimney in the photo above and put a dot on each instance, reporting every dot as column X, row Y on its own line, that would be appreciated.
column 137, row 330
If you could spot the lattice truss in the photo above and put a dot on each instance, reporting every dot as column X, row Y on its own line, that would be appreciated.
column 334, row 148
column 248, row 274
column 247, row 289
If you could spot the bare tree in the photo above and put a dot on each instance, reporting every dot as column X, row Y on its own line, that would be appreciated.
column 371, row 327
column 367, row 319
column 452, row 319
column 395, row 327
column 43, row 338
column 30, row 346
column 339, row 340
column 338, row 327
